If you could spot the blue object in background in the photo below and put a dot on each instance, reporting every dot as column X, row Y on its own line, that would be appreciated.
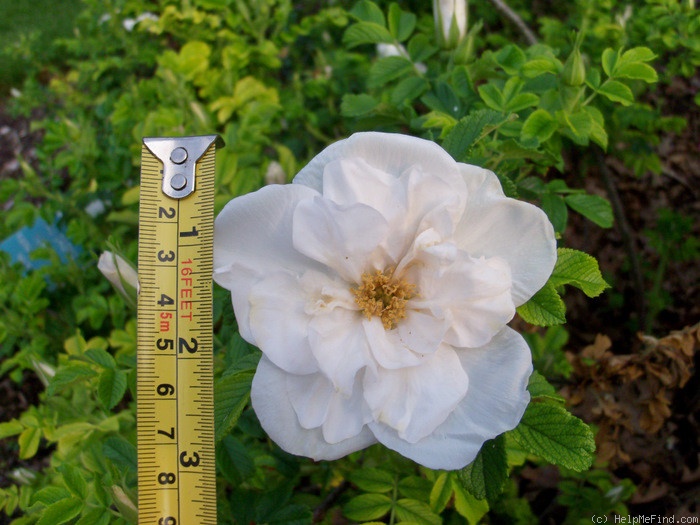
column 21, row 244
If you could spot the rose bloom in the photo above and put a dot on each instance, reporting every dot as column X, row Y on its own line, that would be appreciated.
column 378, row 286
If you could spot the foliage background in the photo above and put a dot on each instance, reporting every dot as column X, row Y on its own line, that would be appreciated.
column 605, row 142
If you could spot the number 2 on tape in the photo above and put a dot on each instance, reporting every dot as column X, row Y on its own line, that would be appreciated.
column 175, row 400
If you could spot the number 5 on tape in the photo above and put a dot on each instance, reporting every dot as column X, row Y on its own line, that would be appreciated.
column 175, row 399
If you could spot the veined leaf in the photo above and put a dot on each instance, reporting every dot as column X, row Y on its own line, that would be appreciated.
column 521, row 101
column 401, row 23
column 540, row 125
column 617, row 92
column 545, row 308
column 387, row 69
column 61, row 512
column 552, row 433
column 29, row 441
column 357, row 105
column 492, row 97
column 367, row 11
column 593, row 207
column 373, row 480
column 609, row 60
column 120, row 451
column 441, row 492
column 231, row 395
column 484, row 477
column 469, row 130
column 555, row 208
column 408, row 90
column 637, row 54
column 74, row 480
column 580, row 270
column 367, row 507
column 69, row 374
column 414, row 511
column 538, row 386
column 637, row 71
column 111, row 387
column 366, row 33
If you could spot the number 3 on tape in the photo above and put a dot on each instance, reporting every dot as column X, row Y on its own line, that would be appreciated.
column 175, row 393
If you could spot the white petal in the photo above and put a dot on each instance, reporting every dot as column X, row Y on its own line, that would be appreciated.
column 339, row 346
column 278, row 322
column 414, row 401
column 341, row 237
column 389, row 152
column 387, row 347
column 518, row 232
column 422, row 332
column 252, row 237
column 310, row 395
column 347, row 416
column 472, row 295
column 270, row 398
column 494, row 403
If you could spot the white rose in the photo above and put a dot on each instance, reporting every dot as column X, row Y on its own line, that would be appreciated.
column 378, row 286
column 121, row 274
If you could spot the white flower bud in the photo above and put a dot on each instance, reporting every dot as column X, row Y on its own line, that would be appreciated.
column 450, row 21
column 121, row 274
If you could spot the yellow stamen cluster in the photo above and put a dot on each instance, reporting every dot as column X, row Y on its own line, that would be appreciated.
column 383, row 296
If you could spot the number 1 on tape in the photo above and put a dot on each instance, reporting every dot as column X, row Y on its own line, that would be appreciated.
column 175, row 394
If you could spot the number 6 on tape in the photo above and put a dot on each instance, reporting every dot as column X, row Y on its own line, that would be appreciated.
column 175, row 394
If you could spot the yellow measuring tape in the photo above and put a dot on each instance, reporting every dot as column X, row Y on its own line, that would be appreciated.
column 175, row 390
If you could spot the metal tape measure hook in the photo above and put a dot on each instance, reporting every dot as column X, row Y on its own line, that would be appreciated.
column 179, row 156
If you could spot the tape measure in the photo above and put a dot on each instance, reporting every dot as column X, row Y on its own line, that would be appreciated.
column 175, row 378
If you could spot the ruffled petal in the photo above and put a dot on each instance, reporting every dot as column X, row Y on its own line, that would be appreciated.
column 494, row 403
column 472, row 296
column 253, row 237
column 518, row 232
column 271, row 402
column 278, row 322
column 339, row 346
column 388, row 152
column 415, row 401
column 344, row 238
column 387, row 347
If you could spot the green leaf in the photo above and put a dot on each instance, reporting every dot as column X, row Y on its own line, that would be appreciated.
column 74, row 480
column 552, row 433
column 408, row 90
column 61, row 512
column 416, row 512
column 373, row 480
column 539, row 387
column 366, row 33
column 484, row 477
column 234, row 461
column 521, row 101
column 49, row 495
column 637, row 71
column 367, row 11
column 511, row 58
column 545, row 308
column 579, row 124
column 540, row 125
column 637, row 54
column 95, row 516
column 469, row 130
column 401, row 23
column 609, row 60
column 441, row 493
column 492, row 97
column 540, row 66
column 419, row 48
column 415, row 487
column 231, row 395
column 598, row 133
column 467, row 505
column 101, row 357
column 120, row 451
column 580, row 270
column 555, row 208
column 357, row 105
column 387, row 69
column 366, row 507
column 10, row 428
column 593, row 207
column 69, row 374
column 617, row 92
column 111, row 387
column 29, row 441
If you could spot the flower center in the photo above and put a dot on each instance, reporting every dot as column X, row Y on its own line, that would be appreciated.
column 381, row 295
